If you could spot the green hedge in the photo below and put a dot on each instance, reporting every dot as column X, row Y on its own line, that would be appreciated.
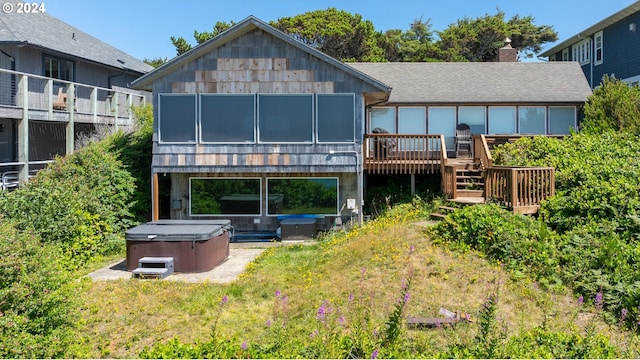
column 80, row 202
column 35, row 298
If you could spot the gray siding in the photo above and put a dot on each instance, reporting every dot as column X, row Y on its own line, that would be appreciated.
column 258, row 62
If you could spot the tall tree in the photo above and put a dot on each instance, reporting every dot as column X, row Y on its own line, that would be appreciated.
column 337, row 33
column 155, row 62
column 479, row 39
column 182, row 45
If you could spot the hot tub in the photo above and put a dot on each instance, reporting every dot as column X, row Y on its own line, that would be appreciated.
column 195, row 245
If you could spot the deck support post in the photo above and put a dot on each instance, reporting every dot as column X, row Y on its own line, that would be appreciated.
column 413, row 185
column 155, row 198
column 23, row 128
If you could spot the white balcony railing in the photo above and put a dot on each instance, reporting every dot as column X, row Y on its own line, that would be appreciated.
column 50, row 99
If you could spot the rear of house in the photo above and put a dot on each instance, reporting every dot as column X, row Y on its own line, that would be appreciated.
column 256, row 127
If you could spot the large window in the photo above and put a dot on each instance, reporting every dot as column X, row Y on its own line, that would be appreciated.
column 502, row 120
column 58, row 68
column 474, row 116
column 532, row 119
column 225, row 196
column 562, row 119
column 227, row 118
column 177, row 118
column 597, row 58
column 384, row 118
column 412, row 120
column 303, row 196
column 442, row 120
column 336, row 117
column 285, row 118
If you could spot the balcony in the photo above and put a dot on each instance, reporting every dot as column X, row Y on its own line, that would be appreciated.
column 403, row 153
column 43, row 117
column 48, row 99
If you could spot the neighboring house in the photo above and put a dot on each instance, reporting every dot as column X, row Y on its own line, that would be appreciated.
column 254, row 126
column 610, row 47
column 56, row 83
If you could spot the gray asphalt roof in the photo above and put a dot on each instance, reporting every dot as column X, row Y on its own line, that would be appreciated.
column 45, row 31
column 449, row 82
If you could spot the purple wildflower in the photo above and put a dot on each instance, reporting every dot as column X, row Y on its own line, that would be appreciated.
column 277, row 293
column 407, row 296
column 411, row 249
column 322, row 311
column 623, row 314
column 581, row 300
column 243, row 346
column 269, row 323
column 350, row 297
column 374, row 355
column 363, row 271
column 314, row 334
column 225, row 299
column 341, row 320
column 599, row 300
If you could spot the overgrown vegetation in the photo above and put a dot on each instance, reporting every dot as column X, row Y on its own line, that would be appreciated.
column 614, row 106
column 79, row 202
column 287, row 305
column 73, row 212
column 36, row 306
column 586, row 236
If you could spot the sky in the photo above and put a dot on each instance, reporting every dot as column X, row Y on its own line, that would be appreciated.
column 142, row 28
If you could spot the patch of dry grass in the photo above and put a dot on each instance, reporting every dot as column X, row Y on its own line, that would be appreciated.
column 120, row 318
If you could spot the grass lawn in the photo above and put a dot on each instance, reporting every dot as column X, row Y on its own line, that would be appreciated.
column 350, row 275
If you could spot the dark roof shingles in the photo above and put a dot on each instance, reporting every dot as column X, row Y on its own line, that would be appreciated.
column 447, row 82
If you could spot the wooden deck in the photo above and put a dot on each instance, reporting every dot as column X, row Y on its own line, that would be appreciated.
column 465, row 180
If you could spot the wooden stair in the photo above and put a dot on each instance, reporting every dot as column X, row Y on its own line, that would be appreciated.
column 469, row 183
column 442, row 212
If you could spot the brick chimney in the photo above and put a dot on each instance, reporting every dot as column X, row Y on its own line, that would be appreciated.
column 507, row 53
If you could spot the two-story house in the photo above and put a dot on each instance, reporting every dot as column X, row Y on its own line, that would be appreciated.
column 56, row 83
column 609, row 47
column 255, row 126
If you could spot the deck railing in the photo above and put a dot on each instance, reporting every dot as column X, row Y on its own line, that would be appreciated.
column 403, row 153
column 52, row 99
column 521, row 189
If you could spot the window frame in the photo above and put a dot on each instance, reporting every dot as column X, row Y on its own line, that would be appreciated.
column 224, row 178
column 575, row 117
column 582, row 51
column 60, row 60
column 199, row 119
column 598, row 50
column 545, row 119
column 316, row 120
column 195, row 119
column 312, row 135
column 337, row 179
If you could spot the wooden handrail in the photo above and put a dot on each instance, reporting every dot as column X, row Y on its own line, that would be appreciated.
column 481, row 152
column 403, row 153
column 521, row 189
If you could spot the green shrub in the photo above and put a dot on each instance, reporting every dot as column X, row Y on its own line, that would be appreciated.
column 35, row 307
column 523, row 244
column 613, row 106
column 135, row 150
column 595, row 212
column 80, row 202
